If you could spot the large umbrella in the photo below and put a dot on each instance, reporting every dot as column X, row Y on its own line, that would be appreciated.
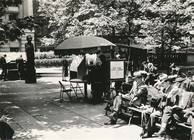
column 82, row 43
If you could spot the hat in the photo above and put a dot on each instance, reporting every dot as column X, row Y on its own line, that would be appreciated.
column 163, row 77
column 172, row 65
column 179, row 79
column 192, row 79
column 143, row 72
column 137, row 74
column 171, row 78
column 150, row 65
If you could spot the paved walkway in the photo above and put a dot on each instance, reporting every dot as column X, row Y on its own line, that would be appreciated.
column 37, row 114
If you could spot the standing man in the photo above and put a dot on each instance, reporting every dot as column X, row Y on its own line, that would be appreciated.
column 20, row 67
column 65, row 70
column 30, row 70
column 4, row 67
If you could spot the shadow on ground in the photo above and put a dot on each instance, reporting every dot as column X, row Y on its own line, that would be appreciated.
column 35, row 110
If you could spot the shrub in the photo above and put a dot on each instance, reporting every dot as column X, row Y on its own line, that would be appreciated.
column 56, row 62
column 45, row 55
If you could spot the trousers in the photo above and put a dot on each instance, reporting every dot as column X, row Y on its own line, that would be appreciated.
column 149, row 121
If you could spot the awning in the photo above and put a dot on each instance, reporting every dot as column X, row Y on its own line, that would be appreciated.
column 81, row 43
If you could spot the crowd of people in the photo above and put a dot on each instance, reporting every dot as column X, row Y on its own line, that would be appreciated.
column 169, row 97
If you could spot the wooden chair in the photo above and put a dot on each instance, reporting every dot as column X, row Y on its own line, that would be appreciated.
column 63, row 90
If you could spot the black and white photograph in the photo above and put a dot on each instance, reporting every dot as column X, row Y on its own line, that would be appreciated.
column 97, row 69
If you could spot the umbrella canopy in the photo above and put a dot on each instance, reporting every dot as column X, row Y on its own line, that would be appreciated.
column 78, row 43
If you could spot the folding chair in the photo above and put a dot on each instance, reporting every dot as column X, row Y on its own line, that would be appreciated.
column 75, row 86
column 64, row 90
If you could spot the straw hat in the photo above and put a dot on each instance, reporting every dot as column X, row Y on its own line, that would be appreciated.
column 192, row 79
column 163, row 77
column 143, row 72
column 137, row 74
column 179, row 79
column 171, row 78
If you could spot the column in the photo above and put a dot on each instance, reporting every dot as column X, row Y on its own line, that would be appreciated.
column 27, row 8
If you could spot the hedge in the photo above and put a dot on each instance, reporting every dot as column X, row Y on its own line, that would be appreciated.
column 56, row 62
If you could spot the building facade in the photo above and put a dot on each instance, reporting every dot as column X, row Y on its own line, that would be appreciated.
column 17, row 9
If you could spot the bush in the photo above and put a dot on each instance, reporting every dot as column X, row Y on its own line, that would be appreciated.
column 56, row 62
column 45, row 55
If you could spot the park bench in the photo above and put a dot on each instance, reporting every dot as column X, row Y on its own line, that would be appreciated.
column 158, row 124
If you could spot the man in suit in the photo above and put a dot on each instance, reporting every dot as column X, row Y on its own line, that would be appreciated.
column 6, row 132
column 20, row 67
column 156, row 107
column 136, row 97
column 183, row 101
column 4, row 67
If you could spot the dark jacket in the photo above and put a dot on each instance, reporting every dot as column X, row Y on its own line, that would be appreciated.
column 6, row 132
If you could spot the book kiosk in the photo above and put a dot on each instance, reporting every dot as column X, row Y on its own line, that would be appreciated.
column 117, row 75
column 75, row 82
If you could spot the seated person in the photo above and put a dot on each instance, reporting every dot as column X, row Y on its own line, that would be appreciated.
column 156, row 107
column 174, row 69
column 136, row 97
column 160, row 82
column 138, row 93
column 148, row 121
column 182, row 102
column 152, row 75
column 190, row 115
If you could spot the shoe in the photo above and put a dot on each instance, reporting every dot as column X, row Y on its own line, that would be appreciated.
column 146, row 135
column 109, row 123
column 142, row 133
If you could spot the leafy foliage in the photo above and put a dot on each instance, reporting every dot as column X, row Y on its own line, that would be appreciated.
column 169, row 22
column 91, row 17
column 13, row 29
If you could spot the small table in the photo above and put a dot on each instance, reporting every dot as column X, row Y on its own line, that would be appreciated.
column 78, row 87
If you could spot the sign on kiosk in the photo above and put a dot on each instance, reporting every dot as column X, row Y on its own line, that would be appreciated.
column 117, row 70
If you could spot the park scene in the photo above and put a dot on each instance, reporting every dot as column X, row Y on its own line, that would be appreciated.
column 94, row 69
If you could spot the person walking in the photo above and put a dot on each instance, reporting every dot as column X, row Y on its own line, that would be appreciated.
column 4, row 67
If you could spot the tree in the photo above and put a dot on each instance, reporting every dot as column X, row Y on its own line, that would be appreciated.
column 156, row 22
column 168, row 22
column 13, row 29
column 91, row 17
